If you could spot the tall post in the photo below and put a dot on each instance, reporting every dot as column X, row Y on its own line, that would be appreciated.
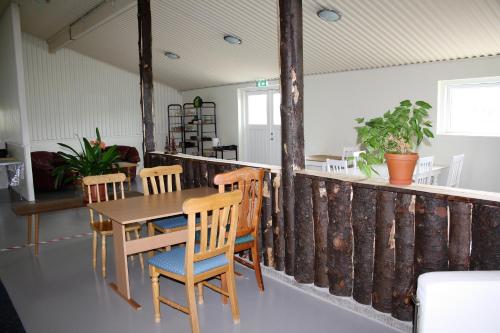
column 292, row 114
column 146, row 74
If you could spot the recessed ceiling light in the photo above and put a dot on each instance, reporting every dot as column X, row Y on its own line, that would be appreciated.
column 232, row 39
column 329, row 15
column 171, row 55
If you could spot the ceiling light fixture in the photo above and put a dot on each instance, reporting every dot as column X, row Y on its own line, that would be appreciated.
column 171, row 55
column 232, row 39
column 329, row 15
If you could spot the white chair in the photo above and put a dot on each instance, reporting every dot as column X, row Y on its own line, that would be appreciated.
column 455, row 170
column 355, row 160
column 348, row 152
column 424, row 168
column 336, row 166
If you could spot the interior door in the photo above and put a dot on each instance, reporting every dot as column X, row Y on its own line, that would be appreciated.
column 263, row 126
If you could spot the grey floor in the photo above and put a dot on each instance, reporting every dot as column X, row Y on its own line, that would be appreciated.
column 59, row 292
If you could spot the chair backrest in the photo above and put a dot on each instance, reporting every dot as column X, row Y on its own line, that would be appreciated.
column 424, row 167
column 455, row 170
column 336, row 166
column 223, row 208
column 250, row 182
column 355, row 159
column 153, row 179
column 347, row 152
column 97, row 184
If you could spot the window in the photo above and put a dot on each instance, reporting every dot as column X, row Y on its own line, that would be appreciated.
column 276, row 108
column 257, row 109
column 469, row 107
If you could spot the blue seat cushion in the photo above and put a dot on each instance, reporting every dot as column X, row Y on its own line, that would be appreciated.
column 173, row 222
column 173, row 261
column 239, row 240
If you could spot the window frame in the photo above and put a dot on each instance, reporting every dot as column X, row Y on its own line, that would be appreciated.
column 444, row 106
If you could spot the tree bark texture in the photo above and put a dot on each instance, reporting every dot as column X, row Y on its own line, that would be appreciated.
column 460, row 235
column 404, row 282
column 146, row 73
column 267, row 222
column 292, row 113
column 385, row 229
column 304, row 231
column 486, row 237
column 278, row 224
column 431, row 235
column 340, row 244
column 320, row 217
column 363, row 225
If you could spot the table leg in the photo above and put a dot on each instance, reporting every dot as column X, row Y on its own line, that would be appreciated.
column 29, row 220
column 37, row 228
column 122, row 286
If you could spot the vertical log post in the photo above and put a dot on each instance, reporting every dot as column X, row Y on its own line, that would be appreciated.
column 404, row 283
column 292, row 113
column 363, row 225
column 203, row 174
column 196, row 173
column 267, row 222
column 146, row 74
column 431, row 235
column 486, row 237
column 210, row 174
column 278, row 226
column 383, row 276
column 189, row 174
column 339, row 236
column 320, row 217
column 460, row 235
column 304, row 231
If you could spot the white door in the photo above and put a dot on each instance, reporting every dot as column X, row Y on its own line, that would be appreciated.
column 263, row 126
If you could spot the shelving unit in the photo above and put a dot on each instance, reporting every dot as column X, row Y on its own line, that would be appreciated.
column 193, row 128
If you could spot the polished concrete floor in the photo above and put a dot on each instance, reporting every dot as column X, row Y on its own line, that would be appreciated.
column 59, row 292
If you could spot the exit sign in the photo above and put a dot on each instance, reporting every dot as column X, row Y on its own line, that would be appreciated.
column 261, row 83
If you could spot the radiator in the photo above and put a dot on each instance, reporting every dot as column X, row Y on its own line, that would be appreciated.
column 458, row 302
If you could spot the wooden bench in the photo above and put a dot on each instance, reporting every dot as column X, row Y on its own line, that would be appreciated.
column 32, row 211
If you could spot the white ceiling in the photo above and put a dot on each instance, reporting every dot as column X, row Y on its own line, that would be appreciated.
column 371, row 34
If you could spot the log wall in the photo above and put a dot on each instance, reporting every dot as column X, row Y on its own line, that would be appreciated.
column 364, row 239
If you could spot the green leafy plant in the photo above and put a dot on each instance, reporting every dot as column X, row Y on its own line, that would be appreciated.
column 399, row 131
column 94, row 159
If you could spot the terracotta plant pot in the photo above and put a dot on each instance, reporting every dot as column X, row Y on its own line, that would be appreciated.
column 401, row 167
column 93, row 193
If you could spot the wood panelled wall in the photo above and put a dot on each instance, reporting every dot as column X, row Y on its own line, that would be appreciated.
column 69, row 93
column 366, row 241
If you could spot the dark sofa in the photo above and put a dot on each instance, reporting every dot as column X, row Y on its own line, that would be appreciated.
column 43, row 164
column 129, row 154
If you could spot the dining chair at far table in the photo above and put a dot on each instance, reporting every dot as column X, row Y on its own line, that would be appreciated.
column 250, row 182
column 103, row 227
column 424, row 168
column 336, row 166
column 348, row 152
column 153, row 182
column 198, row 262
column 455, row 170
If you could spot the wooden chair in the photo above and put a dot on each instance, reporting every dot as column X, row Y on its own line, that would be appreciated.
column 153, row 182
column 424, row 167
column 249, row 181
column 455, row 171
column 336, row 166
column 198, row 262
column 101, row 226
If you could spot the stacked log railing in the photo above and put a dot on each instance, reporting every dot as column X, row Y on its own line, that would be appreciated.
column 366, row 239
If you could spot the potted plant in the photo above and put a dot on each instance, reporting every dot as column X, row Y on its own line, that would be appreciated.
column 394, row 137
column 93, row 160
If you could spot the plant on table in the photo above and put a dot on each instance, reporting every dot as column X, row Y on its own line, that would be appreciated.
column 394, row 136
column 94, row 159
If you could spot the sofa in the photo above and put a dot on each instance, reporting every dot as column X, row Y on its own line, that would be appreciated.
column 43, row 164
column 131, row 155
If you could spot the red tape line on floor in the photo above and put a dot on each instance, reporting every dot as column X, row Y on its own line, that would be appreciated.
column 55, row 240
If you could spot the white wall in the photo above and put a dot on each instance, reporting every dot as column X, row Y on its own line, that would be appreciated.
column 13, row 116
column 332, row 101
column 70, row 94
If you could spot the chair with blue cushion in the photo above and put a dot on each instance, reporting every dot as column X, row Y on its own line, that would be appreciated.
column 153, row 182
column 250, row 182
column 198, row 262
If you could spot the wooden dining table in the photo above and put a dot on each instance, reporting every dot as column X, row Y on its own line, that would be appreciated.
column 140, row 209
